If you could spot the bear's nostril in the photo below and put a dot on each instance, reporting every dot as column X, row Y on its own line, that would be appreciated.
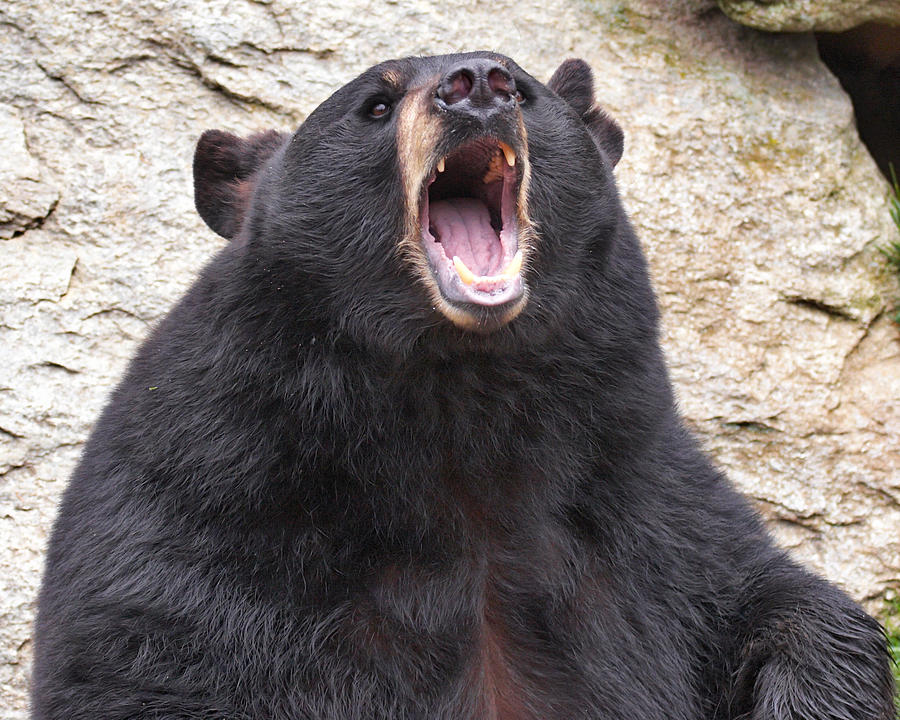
column 501, row 82
column 456, row 87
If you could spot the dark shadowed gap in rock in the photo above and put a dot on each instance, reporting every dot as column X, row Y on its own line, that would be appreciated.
column 866, row 60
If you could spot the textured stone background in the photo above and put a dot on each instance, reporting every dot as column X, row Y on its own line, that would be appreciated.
column 755, row 200
column 799, row 15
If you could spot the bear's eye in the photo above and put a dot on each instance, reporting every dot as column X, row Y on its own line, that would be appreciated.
column 520, row 98
column 379, row 108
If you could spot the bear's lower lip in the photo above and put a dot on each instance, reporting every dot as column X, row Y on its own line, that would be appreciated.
column 468, row 225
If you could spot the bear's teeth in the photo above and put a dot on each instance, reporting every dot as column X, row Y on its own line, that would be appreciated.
column 466, row 275
column 509, row 273
column 509, row 153
column 513, row 268
column 440, row 165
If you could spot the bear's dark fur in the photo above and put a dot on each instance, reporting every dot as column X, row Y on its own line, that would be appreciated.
column 342, row 479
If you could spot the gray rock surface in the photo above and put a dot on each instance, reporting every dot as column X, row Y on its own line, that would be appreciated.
column 758, row 207
column 26, row 197
column 802, row 15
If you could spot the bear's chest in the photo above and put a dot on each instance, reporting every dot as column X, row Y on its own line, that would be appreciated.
column 495, row 636
column 536, row 624
column 525, row 621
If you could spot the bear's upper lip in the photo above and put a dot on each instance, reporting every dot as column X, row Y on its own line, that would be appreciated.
column 469, row 227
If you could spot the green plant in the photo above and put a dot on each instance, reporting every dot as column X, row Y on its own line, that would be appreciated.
column 892, row 250
column 892, row 629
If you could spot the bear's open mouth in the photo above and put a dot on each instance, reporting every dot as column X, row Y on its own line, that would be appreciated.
column 467, row 216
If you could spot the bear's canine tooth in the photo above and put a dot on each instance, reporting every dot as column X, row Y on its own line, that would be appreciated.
column 440, row 165
column 466, row 275
column 513, row 268
column 509, row 153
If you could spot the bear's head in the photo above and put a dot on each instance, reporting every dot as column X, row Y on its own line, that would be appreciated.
column 453, row 193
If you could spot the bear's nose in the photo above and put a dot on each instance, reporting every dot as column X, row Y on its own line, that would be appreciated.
column 478, row 88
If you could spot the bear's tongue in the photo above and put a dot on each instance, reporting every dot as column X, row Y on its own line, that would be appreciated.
column 463, row 227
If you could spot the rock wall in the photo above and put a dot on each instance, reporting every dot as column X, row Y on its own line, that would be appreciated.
column 802, row 15
column 758, row 207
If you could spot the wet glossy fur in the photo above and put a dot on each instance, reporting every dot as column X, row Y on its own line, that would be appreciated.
column 313, row 497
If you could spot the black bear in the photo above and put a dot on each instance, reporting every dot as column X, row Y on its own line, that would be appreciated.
column 407, row 449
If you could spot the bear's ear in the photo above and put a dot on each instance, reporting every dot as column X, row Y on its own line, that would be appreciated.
column 225, row 169
column 573, row 81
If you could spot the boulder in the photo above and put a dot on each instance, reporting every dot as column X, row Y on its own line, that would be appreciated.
column 803, row 15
